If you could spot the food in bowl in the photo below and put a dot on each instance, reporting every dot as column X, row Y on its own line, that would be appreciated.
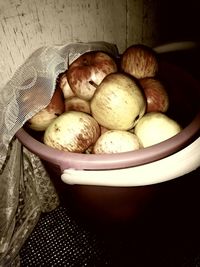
column 116, row 141
column 139, row 61
column 156, row 95
column 41, row 120
column 72, row 131
column 155, row 127
column 117, row 101
column 87, row 71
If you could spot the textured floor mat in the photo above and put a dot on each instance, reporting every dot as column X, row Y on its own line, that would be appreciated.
column 58, row 240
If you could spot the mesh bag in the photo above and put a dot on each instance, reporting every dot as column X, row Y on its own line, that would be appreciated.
column 33, row 85
column 25, row 187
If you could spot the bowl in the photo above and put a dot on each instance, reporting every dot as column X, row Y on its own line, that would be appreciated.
column 119, row 186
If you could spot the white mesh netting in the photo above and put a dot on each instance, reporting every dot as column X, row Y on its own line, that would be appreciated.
column 33, row 84
column 25, row 187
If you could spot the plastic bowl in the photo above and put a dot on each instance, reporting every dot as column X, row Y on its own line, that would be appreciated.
column 116, row 186
column 184, row 93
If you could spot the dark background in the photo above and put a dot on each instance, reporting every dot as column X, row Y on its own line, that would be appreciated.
column 178, row 20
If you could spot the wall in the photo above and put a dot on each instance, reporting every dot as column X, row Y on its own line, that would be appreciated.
column 26, row 25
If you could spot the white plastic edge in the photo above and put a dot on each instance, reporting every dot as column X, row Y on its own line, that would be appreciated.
column 176, row 165
column 176, row 46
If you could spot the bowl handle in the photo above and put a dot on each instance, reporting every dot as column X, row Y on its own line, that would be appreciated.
column 176, row 165
column 176, row 46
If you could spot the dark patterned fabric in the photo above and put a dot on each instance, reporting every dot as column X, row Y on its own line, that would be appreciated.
column 58, row 240
column 166, row 235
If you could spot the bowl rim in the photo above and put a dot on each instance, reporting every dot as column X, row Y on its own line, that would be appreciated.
column 117, row 160
column 111, row 161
